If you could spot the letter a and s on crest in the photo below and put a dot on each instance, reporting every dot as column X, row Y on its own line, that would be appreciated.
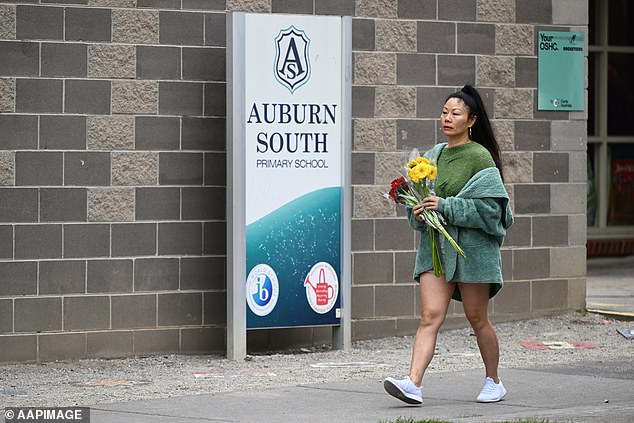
column 292, row 67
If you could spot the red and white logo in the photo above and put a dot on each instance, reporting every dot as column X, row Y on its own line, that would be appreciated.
column 322, row 287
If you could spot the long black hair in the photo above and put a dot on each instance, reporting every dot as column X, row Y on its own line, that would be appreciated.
column 481, row 131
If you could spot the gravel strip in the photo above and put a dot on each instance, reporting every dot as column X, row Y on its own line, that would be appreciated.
column 72, row 383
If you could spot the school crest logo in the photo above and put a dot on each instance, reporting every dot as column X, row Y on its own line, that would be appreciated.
column 292, row 67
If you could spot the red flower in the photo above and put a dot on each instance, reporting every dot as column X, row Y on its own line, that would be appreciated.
column 397, row 184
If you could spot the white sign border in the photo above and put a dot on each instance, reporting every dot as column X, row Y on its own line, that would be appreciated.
column 236, row 216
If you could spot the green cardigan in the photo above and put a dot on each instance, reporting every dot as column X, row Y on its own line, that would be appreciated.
column 477, row 218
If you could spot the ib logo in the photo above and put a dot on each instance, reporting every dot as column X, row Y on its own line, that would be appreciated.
column 292, row 67
column 262, row 289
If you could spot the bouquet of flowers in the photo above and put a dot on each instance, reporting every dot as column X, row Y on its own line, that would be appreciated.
column 409, row 190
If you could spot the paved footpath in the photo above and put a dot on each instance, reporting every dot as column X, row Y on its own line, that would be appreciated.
column 591, row 392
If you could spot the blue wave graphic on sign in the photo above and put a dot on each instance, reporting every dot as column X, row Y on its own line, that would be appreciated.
column 291, row 240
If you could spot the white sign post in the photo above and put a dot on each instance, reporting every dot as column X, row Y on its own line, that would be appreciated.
column 288, row 174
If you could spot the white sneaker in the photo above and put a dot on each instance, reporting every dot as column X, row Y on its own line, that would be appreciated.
column 491, row 391
column 404, row 389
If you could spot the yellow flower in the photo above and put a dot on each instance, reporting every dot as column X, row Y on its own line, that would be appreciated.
column 432, row 173
column 416, row 161
column 421, row 171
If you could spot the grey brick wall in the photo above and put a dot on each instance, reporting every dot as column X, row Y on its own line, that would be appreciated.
column 112, row 167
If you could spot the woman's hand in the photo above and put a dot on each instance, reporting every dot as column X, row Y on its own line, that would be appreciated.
column 430, row 203
column 418, row 210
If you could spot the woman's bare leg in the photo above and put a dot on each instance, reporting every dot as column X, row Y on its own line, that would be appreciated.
column 475, row 300
column 435, row 294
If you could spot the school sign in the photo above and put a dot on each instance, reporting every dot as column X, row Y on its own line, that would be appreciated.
column 288, row 199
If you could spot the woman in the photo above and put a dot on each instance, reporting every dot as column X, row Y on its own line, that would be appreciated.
column 471, row 196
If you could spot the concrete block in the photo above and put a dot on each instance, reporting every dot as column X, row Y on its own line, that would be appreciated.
column 394, row 234
column 504, row 131
column 38, row 242
column 550, row 295
column 111, row 61
column 363, row 102
column 153, row 62
column 68, row 346
column 436, row 37
column 204, row 64
column 396, row 300
column 87, row 97
column 203, row 340
column 180, row 98
column 514, row 40
column 362, row 302
column 395, row 35
column 456, row 70
column 62, row 277
column 133, row 311
column 180, row 238
column 215, row 238
column 415, row 69
column 570, row 12
column 6, row 248
column 532, row 135
column 551, row 167
column 519, row 235
column 214, row 308
column 417, row 9
column 513, row 103
column 38, row 168
column 203, row 134
column 156, row 274
column 532, row 199
column 171, row 26
column 38, row 96
column 534, row 12
column 415, row 133
column 180, row 168
column 367, row 202
column 112, row 3
column 110, row 205
column 550, row 231
column 388, row 166
column 86, row 169
column 202, row 273
column 404, row 267
column 362, row 235
column 531, row 264
column 157, row 133
column 577, row 165
column 395, row 101
column 261, row 6
column 363, row 34
column 156, row 341
column 135, row 26
column 514, row 298
column 20, row 278
column 568, row 135
column 496, row 10
column 81, row 241
column 215, row 169
column 7, row 22
column 215, row 99
column 373, row 329
column 86, row 313
column 157, row 204
column 180, row 309
column 374, row 134
column 568, row 261
column 108, row 132
column 304, row 7
column 577, row 229
column 134, row 97
column 362, row 168
column 429, row 101
column 374, row 68
column 203, row 203
column 215, row 26
column 7, row 94
column 526, row 72
column 18, row 205
column 577, row 294
column 476, row 38
column 495, row 71
column 19, row 58
column 87, row 24
column 376, row 8
column 7, row 168
column 138, row 168
column 568, row 198
column 109, row 344
column 335, row 7
column 37, row 314
column 109, row 276
column 62, row 132
column 39, row 23
column 373, row 268
column 18, row 348
column 135, row 239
